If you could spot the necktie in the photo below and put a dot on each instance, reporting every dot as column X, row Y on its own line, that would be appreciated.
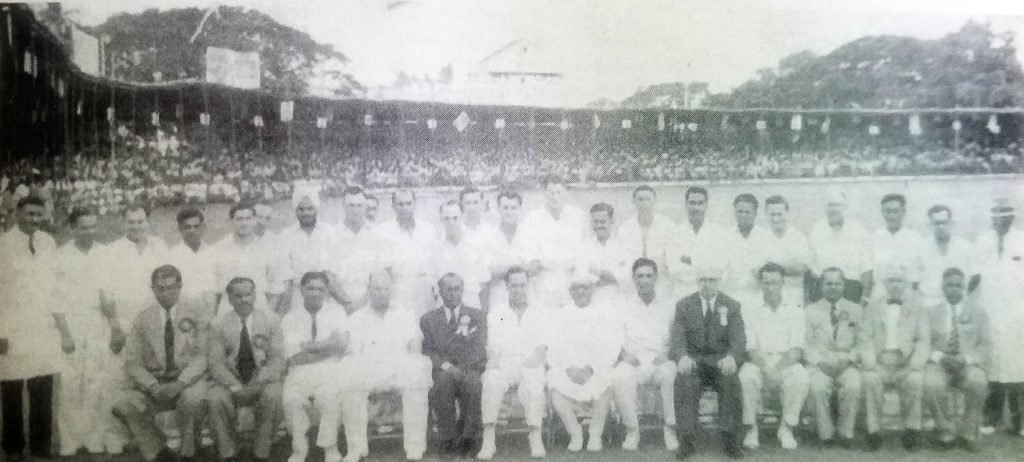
column 246, row 358
column 169, row 343
column 893, row 301
column 313, row 329
column 954, row 333
column 709, row 321
column 834, row 314
column 32, row 243
column 451, row 318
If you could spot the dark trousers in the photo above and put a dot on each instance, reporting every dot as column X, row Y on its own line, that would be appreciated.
column 40, row 415
column 449, row 388
column 690, row 388
column 997, row 394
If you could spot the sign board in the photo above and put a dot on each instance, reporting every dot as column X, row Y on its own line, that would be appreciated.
column 233, row 68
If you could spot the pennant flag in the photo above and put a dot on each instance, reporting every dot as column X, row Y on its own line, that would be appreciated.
column 627, row 124
column 532, row 124
column 368, row 120
column 914, row 125
column 257, row 121
column 564, row 125
column 761, row 125
column 110, row 114
column 287, row 111
column 204, row 119
column 993, row 125
column 957, row 125
column 432, row 124
column 826, row 125
column 321, row 122
column 499, row 124
column 28, row 62
column 78, row 109
column 597, row 122
column 154, row 119
column 692, row 126
column 461, row 122
column 873, row 130
column 661, row 122
column 796, row 123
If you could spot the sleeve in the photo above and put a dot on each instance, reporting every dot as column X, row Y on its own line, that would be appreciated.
column 750, row 332
column 429, row 348
column 197, row 367
column 274, row 369
column 134, row 353
column 677, row 335
column 983, row 348
column 737, row 334
column 290, row 342
column 218, row 359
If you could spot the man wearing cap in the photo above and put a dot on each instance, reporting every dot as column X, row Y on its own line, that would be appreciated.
column 839, row 242
column 408, row 238
column 945, row 250
column 895, row 245
column 698, row 241
column 708, row 342
column 581, row 360
column 898, row 325
column 1001, row 256
column 305, row 246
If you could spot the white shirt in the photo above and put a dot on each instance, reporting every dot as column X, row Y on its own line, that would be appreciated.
column 383, row 336
column 198, row 268
column 555, row 240
column 791, row 247
column 845, row 248
column 465, row 259
column 169, row 313
column 701, row 247
column 26, row 285
column 647, row 326
column 303, row 252
column 959, row 254
column 511, row 338
column 411, row 257
column 612, row 256
column 775, row 332
column 132, row 279
column 580, row 337
column 743, row 256
column 80, row 278
column 297, row 326
column 659, row 243
column 519, row 251
column 892, row 321
column 256, row 260
column 905, row 247
column 356, row 256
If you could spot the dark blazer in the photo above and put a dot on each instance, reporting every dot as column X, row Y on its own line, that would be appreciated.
column 688, row 336
column 442, row 342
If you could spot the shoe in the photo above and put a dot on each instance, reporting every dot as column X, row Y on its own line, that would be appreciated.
column 487, row 447
column 967, row 445
column 733, row 448
column 911, row 440
column 467, row 447
column 448, row 449
column 332, row 455
column 353, row 456
column 536, row 445
column 594, row 443
column 945, row 442
column 686, row 449
column 752, row 440
column 414, row 456
column 165, row 455
column 297, row 457
column 575, row 442
column 632, row 440
column 844, row 443
column 785, row 435
column 671, row 442
column 874, row 442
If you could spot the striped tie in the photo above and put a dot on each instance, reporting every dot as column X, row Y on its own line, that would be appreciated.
column 954, row 333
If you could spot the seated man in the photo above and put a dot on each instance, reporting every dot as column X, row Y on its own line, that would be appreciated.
column 516, row 352
column 165, row 361
column 775, row 341
column 584, row 343
column 836, row 338
column 386, row 352
column 316, row 336
column 644, row 359
column 899, row 327
column 247, row 366
column 960, row 345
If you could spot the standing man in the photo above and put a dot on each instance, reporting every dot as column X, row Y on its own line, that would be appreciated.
column 1001, row 257
column 372, row 208
column 586, row 339
column 837, row 342
column 555, row 229
column 775, row 343
column 649, row 235
column 306, row 246
column 455, row 339
column 139, row 253
column 30, row 347
column 166, row 364
column 895, row 245
column 316, row 336
column 516, row 351
column 839, row 242
column 359, row 251
column 644, row 357
column 603, row 255
column 746, row 244
column 942, row 252
column 512, row 247
column 197, row 261
column 788, row 248
column 245, row 254
column 456, row 253
column 386, row 353
column 247, row 366
column 408, row 238
column 707, row 342
column 960, row 346
column 474, row 216
column 899, row 326
column 697, row 241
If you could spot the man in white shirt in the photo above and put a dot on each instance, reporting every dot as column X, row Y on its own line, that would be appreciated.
column 516, row 355
column 474, row 217
column 603, row 255
column 196, row 260
column 408, row 239
column 555, row 229
column 585, row 342
column 455, row 253
column 698, row 241
column 139, row 253
column 511, row 245
column 787, row 247
column 386, row 342
column 304, row 247
column 945, row 251
column 895, row 245
column 649, row 235
column 372, row 208
column 775, row 342
column 839, row 242
column 316, row 336
column 648, row 317
column 359, row 251
column 244, row 254
column 743, row 252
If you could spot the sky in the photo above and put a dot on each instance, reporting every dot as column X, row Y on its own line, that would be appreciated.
column 605, row 48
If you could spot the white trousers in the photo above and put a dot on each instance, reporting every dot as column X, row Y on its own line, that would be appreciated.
column 791, row 383
column 629, row 377
column 529, row 382
column 313, row 386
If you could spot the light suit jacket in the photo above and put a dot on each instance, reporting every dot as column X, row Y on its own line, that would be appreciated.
column 972, row 326
column 913, row 337
column 145, row 363
column 267, row 344
column 851, row 339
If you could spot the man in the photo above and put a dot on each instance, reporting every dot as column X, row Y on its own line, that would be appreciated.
column 408, row 238
column 649, row 235
column 30, row 346
column 602, row 255
column 372, row 208
column 306, row 246
column 455, row 339
column 698, row 241
column 895, row 245
column 316, row 336
column 139, row 253
column 474, row 210
column 1000, row 253
column 775, row 341
column 84, row 411
column 960, row 346
column 788, row 248
column 644, row 358
column 898, row 325
column 707, row 342
column 247, row 366
column 166, row 364
column 839, row 242
column 386, row 351
column 745, row 244
column 263, row 216
column 516, row 352
column 512, row 246
column 244, row 254
column 837, row 341
column 359, row 251
column 196, row 260
column 555, row 229
column 581, row 361
column 945, row 251
column 456, row 253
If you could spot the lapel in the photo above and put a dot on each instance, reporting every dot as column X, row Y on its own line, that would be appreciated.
column 694, row 312
column 154, row 322
column 940, row 317
column 232, row 330
column 441, row 324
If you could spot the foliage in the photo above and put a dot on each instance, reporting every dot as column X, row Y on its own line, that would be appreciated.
column 667, row 95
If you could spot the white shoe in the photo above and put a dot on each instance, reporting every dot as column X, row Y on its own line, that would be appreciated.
column 414, row 456
column 632, row 440
column 353, row 457
column 594, row 443
column 536, row 445
column 332, row 455
column 297, row 457
column 671, row 442
column 785, row 435
column 751, row 441
column 986, row 430
column 487, row 448
column 575, row 442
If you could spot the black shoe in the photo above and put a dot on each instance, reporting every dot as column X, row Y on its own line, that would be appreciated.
column 686, row 449
column 468, row 447
column 911, row 440
column 967, row 445
column 874, row 442
column 447, row 449
column 733, row 447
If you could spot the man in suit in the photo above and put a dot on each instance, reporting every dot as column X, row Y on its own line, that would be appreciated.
column 836, row 344
column 454, row 338
column 898, row 325
column 707, row 341
column 959, row 359
column 247, row 365
column 166, row 362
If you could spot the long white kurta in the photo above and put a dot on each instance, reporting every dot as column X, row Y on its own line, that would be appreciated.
column 1002, row 292
column 411, row 263
column 580, row 337
column 556, row 241
column 26, row 282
